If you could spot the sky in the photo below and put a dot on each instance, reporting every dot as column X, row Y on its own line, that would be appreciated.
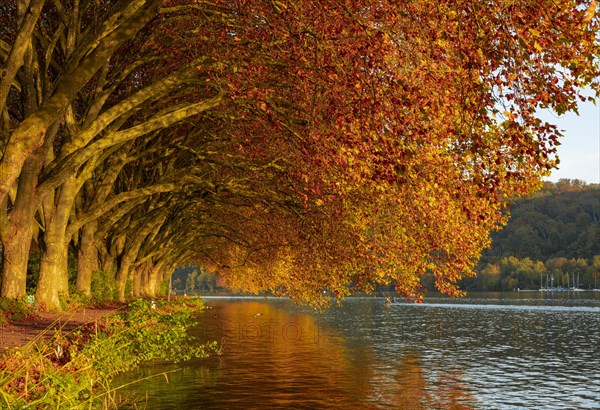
column 579, row 151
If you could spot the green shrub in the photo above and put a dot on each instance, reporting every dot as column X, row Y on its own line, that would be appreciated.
column 164, row 287
column 103, row 286
column 33, row 271
column 74, row 301
column 14, row 309
column 74, row 370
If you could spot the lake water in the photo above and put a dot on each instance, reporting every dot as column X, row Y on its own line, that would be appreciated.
column 520, row 350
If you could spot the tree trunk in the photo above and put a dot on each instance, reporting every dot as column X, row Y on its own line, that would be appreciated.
column 167, row 274
column 155, row 279
column 16, row 233
column 15, row 254
column 143, row 275
column 123, row 277
column 131, row 253
column 138, row 274
column 107, row 262
column 107, row 255
column 54, row 281
column 151, row 279
column 87, row 259
column 54, row 276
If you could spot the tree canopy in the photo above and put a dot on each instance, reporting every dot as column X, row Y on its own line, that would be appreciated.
column 294, row 146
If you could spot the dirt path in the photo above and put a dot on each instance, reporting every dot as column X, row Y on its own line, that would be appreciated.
column 19, row 333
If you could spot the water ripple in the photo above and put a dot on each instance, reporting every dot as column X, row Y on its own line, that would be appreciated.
column 507, row 352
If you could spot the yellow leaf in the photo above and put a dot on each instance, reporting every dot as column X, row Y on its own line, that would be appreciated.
column 590, row 12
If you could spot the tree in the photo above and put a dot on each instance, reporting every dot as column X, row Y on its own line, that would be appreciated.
column 190, row 283
column 293, row 146
column 87, row 59
column 424, row 176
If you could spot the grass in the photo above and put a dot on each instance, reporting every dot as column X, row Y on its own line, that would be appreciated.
column 73, row 370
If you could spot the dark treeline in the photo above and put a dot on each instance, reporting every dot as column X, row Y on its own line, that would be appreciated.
column 192, row 280
column 554, row 234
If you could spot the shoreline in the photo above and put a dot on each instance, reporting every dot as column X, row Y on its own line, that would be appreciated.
column 18, row 333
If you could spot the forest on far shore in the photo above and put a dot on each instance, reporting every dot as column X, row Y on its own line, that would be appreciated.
column 552, row 237
column 554, row 234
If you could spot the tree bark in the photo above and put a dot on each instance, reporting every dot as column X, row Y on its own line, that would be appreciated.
column 131, row 253
column 138, row 277
column 107, row 260
column 53, row 281
column 30, row 133
column 54, row 277
column 123, row 277
column 16, row 234
column 14, row 265
column 155, row 279
column 87, row 258
column 28, row 18
column 150, row 278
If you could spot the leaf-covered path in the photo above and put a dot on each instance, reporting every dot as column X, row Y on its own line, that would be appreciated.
column 19, row 333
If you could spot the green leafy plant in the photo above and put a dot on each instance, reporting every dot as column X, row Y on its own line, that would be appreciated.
column 75, row 301
column 14, row 309
column 73, row 370
column 103, row 286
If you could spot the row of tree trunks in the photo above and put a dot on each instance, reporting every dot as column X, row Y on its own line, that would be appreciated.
column 130, row 255
column 31, row 132
column 29, row 145
column 148, row 278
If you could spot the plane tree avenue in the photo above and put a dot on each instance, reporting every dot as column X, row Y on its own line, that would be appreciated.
column 98, row 115
column 290, row 146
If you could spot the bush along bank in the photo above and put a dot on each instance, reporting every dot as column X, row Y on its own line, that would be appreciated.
column 14, row 309
column 73, row 370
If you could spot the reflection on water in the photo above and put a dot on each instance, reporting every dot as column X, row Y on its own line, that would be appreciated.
column 501, row 351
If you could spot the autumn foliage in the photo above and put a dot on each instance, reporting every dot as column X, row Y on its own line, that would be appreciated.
column 296, row 146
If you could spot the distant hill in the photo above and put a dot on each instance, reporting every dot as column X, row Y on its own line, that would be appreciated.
column 562, row 220
column 556, row 232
